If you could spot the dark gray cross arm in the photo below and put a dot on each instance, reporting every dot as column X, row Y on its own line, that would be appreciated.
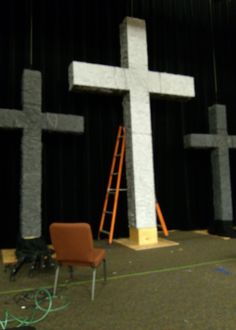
column 64, row 123
column 10, row 118
column 232, row 142
column 207, row 141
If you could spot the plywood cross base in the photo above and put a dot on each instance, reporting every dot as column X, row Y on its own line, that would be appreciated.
column 8, row 256
column 162, row 242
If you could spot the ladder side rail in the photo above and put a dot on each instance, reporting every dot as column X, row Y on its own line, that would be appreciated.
column 162, row 220
column 114, row 159
column 118, row 182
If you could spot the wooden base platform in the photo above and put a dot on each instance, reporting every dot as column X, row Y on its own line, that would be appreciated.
column 162, row 242
column 8, row 256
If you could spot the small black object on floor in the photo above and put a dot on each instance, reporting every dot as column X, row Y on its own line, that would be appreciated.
column 222, row 228
column 33, row 251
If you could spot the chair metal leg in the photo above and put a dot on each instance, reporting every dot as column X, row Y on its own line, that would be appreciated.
column 56, row 280
column 93, row 283
column 105, row 270
column 71, row 271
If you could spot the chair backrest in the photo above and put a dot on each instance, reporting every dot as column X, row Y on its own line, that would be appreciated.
column 72, row 241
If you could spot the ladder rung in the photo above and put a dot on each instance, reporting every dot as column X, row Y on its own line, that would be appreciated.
column 113, row 190
column 105, row 232
column 108, row 212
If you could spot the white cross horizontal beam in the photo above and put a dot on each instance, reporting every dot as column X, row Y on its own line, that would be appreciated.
column 104, row 78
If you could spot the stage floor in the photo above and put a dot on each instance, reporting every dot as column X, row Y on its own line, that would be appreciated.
column 190, row 285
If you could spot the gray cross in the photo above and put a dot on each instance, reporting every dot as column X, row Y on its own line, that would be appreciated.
column 136, row 82
column 220, row 142
column 33, row 121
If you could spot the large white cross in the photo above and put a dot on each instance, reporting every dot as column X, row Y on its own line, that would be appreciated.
column 33, row 121
column 136, row 82
column 220, row 142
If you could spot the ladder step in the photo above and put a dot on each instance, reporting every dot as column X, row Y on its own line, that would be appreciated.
column 108, row 212
column 113, row 190
column 105, row 232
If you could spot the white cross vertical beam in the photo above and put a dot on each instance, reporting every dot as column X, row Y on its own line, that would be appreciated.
column 32, row 121
column 137, row 120
column 220, row 142
column 136, row 82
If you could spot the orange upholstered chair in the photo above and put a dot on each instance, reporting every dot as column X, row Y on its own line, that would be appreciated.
column 73, row 244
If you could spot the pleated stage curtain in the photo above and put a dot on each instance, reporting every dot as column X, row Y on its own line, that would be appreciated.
column 184, row 37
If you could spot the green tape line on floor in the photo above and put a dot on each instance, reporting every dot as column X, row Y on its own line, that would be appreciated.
column 129, row 275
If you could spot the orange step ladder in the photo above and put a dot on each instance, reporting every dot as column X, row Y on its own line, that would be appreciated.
column 113, row 189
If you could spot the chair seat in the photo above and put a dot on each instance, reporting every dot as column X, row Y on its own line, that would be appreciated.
column 94, row 259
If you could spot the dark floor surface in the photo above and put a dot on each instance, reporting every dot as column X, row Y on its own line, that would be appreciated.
column 188, row 286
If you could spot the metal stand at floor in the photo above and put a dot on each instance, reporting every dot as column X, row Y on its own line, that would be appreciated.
column 33, row 252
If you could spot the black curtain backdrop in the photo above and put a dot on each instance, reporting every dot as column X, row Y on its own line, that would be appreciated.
column 191, row 37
